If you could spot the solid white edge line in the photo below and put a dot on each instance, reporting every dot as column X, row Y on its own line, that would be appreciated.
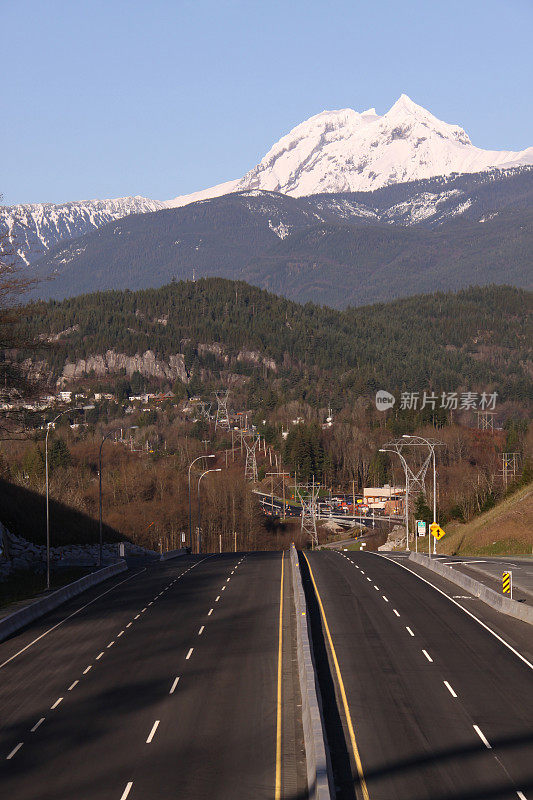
column 427, row 656
column 72, row 685
column 483, row 625
column 69, row 617
column 451, row 691
column 482, row 737
column 126, row 791
column 173, row 687
column 32, row 730
column 57, row 702
column 15, row 750
column 189, row 654
column 152, row 732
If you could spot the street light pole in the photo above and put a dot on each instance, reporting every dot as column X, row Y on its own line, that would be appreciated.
column 190, row 512
column 199, row 523
column 404, row 464
column 108, row 434
column 48, row 426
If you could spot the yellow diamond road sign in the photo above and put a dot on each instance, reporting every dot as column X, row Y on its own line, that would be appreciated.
column 436, row 530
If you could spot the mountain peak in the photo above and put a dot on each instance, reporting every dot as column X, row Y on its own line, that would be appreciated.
column 345, row 150
column 404, row 103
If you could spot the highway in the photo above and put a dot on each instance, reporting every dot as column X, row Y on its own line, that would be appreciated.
column 161, row 684
column 431, row 704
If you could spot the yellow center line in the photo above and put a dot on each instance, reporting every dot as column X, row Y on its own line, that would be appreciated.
column 355, row 749
column 277, row 794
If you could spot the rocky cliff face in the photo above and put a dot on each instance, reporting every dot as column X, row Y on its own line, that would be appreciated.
column 111, row 362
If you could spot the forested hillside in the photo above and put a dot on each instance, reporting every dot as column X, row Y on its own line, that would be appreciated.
column 477, row 339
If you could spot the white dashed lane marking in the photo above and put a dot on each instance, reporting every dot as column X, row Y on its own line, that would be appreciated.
column 72, row 685
column 209, row 612
column 409, row 631
column 57, row 702
column 451, row 691
column 15, row 750
column 152, row 732
column 189, row 654
column 482, row 737
column 37, row 725
column 99, row 656
column 86, row 670
column 396, row 612
column 201, row 630
column 217, row 599
column 173, row 687
column 427, row 655
column 126, row 791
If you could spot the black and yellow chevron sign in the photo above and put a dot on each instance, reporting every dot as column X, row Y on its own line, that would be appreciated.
column 506, row 583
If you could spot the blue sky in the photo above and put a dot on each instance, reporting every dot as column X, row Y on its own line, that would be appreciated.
column 166, row 97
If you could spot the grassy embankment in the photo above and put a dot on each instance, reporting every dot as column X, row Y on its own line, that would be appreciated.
column 507, row 529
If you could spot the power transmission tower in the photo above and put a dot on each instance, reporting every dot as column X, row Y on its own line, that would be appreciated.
column 510, row 466
column 250, row 470
column 415, row 476
column 485, row 420
column 308, row 496
column 222, row 416
column 205, row 410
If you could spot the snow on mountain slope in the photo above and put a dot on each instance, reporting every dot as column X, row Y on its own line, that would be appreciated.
column 36, row 227
column 347, row 151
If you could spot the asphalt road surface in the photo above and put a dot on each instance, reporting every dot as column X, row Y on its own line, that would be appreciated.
column 431, row 705
column 164, row 686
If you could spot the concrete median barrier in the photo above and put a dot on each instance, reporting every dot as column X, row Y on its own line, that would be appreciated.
column 315, row 746
column 19, row 619
column 504, row 604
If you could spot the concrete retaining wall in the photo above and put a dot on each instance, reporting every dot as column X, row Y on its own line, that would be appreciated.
column 173, row 554
column 489, row 596
column 315, row 747
column 19, row 619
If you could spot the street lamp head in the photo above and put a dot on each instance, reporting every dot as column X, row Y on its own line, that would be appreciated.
column 406, row 436
column 381, row 450
column 215, row 470
column 211, row 455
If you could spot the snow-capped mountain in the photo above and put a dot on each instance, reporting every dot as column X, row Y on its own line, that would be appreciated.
column 348, row 151
column 333, row 152
column 34, row 228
